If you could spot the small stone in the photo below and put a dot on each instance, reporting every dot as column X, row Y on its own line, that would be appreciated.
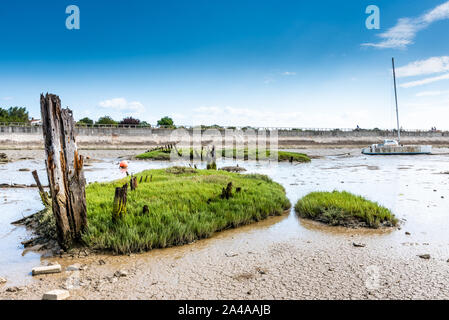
column 73, row 267
column 231, row 254
column 424, row 256
column 55, row 268
column 407, row 233
column 359, row 245
column 13, row 289
column 101, row 262
column 120, row 273
column 57, row 294
column 2, row 280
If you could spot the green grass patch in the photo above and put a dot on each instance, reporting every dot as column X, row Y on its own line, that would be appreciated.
column 184, row 205
column 255, row 154
column 245, row 154
column 345, row 209
column 155, row 155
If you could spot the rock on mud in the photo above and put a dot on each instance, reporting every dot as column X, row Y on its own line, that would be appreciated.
column 57, row 294
column 56, row 268
column 358, row 245
column 73, row 267
column 2, row 280
column 120, row 273
column 424, row 256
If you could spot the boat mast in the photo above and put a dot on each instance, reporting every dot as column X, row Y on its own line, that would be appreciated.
column 396, row 99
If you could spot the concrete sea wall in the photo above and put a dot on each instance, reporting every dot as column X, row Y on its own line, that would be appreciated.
column 30, row 137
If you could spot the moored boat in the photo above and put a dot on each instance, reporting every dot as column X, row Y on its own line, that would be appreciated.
column 393, row 147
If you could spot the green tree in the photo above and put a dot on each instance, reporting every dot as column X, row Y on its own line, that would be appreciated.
column 166, row 122
column 106, row 120
column 14, row 114
column 145, row 124
column 85, row 121
column 3, row 115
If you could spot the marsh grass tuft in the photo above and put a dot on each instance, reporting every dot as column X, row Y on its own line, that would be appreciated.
column 345, row 209
column 245, row 154
column 182, row 207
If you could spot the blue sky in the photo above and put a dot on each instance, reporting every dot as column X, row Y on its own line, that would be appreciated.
column 262, row 63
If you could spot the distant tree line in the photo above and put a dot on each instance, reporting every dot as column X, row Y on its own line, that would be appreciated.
column 14, row 114
column 128, row 121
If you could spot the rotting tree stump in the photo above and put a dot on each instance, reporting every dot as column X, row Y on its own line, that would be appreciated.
column 64, row 170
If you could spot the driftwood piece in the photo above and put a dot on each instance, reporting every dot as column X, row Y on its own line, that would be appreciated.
column 42, row 193
column 120, row 199
column 64, row 170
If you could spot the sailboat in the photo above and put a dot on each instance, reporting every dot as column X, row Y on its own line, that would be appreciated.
column 394, row 147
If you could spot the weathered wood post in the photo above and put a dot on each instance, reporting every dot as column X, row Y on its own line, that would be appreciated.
column 42, row 192
column 64, row 170
column 120, row 199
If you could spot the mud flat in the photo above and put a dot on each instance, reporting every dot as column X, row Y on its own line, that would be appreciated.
column 279, row 258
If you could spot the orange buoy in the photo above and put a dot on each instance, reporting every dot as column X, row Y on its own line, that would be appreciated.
column 123, row 164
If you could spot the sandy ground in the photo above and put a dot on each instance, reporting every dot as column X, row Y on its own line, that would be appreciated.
column 243, row 264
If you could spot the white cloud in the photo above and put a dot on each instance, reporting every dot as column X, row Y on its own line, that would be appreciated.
column 431, row 93
column 423, row 67
column 7, row 98
column 405, row 30
column 288, row 73
column 121, row 104
column 425, row 81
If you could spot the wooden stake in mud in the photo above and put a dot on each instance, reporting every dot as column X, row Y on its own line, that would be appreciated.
column 64, row 170
column 120, row 199
column 42, row 192
column 133, row 183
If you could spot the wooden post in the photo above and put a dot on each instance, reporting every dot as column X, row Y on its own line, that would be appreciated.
column 133, row 183
column 227, row 193
column 145, row 210
column 64, row 170
column 120, row 199
column 42, row 192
